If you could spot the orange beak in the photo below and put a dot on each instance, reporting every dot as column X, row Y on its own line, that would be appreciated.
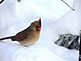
column 39, row 24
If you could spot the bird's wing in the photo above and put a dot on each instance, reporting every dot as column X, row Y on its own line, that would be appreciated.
column 20, row 36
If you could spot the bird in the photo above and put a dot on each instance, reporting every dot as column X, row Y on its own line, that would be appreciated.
column 29, row 36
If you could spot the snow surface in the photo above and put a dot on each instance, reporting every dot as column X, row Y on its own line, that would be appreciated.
column 19, row 53
column 16, row 16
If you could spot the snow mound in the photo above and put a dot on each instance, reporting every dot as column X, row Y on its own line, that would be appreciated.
column 14, row 52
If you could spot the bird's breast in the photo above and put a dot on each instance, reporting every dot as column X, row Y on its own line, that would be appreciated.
column 31, row 39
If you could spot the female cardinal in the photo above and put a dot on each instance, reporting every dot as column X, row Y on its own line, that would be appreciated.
column 28, row 36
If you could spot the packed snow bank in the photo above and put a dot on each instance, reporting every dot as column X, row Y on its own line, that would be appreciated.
column 71, row 21
column 66, row 54
column 13, row 52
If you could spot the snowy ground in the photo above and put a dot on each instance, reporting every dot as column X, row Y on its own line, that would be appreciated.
column 15, row 16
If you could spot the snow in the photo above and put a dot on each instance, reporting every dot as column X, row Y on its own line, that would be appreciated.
column 57, row 19
column 19, row 53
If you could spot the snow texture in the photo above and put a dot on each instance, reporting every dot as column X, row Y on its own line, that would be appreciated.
column 16, row 16
column 19, row 53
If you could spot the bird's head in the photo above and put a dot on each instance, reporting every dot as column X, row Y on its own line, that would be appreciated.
column 36, row 25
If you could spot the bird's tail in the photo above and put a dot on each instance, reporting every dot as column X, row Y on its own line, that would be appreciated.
column 6, row 38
